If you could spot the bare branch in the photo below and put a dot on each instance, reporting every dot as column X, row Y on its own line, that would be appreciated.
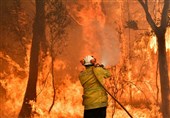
column 147, row 100
column 76, row 21
column 157, row 87
column 44, row 83
column 53, row 82
column 164, row 17
column 148, row 16
column 146, row 2
column 142, row 3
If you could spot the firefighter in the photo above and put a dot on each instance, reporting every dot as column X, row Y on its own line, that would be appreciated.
column 95, row 98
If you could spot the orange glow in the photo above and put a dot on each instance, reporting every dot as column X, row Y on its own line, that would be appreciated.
column 153, row 41
column 68, row 99
column 132, row 84
column 167, row 35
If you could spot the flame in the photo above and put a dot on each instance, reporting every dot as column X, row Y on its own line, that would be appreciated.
column 13, row 96
column 153, row 41
column 167, row 35
column 68, row 101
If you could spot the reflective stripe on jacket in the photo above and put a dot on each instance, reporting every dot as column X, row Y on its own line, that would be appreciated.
column 94, row 95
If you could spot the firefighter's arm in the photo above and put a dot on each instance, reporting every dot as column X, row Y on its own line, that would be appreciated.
column 103, row 72
column 106, row 73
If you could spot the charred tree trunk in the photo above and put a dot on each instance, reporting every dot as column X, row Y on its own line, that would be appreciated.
column 163, row 66
column 163, row 71
column 53, row 82
column 38, row 35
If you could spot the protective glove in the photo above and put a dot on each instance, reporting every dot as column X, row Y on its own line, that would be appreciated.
column 99, row 65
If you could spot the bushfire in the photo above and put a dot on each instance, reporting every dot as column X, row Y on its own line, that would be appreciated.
column 68, row 96
column 133, row 65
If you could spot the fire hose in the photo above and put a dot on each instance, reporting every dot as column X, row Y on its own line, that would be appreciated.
column 110, row 93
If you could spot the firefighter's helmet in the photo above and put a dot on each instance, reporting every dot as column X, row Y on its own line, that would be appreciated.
column 88, row 60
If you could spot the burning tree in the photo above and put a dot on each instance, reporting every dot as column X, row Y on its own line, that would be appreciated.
column 131, row 84
column 57, row 21
column 163, row 66
column 38, row 35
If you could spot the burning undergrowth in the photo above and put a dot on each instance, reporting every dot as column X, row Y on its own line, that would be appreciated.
column 132, row 84
column 68, row 101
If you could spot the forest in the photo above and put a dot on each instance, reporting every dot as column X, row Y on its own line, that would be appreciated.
column 43, row 41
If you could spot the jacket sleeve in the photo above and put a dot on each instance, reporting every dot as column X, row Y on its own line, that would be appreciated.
column 101, row 73
column 106, row 73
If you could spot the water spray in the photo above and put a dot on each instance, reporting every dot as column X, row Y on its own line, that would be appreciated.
column 104, row 62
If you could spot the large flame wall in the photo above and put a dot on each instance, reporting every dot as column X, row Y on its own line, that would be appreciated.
column 95, row 33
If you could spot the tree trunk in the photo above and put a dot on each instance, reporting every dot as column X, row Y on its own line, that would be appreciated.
column 163, row 70
column 163, row 67
column 38, row 35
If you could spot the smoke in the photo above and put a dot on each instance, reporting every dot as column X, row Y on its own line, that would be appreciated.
column 110, row 47
column 92, row 34
column 102, row 43
column 98, row 34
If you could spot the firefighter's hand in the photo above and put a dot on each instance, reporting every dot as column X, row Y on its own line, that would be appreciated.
column 99, row 65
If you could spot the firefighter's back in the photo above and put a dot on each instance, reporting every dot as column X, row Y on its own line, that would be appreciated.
column 94, row 95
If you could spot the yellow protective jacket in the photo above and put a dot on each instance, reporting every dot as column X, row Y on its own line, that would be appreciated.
column 94, row 96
